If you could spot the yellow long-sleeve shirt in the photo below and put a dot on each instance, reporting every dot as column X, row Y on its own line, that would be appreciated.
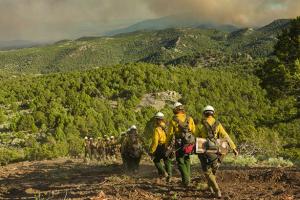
column 174, row 129
column 159, row 137
column 220, row 132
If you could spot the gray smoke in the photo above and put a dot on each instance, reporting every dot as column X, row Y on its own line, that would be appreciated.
column 238, row 12
column 60, row 19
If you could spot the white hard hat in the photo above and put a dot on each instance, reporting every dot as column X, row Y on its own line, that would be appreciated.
column 86, row 138
column 159, row 115
column 208, row 108
column 133, row 127
column 112, row 137
column 177, row 104
column 91, row 138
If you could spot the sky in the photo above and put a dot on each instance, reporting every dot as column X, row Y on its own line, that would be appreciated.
column 49, row 20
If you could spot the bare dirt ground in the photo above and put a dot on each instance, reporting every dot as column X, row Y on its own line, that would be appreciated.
column 73, row 179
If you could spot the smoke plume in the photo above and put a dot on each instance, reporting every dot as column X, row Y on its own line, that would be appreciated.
column 238, row 12
column 60, row 19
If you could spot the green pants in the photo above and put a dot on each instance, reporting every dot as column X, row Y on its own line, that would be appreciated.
column 87, row 152
column 209, row 165
column 159, row 155
column 184, row 166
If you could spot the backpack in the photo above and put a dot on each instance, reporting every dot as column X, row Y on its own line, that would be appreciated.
column 186, row 140
column 131, row 148
column 135, row 151
column 185, row 134
column 211, row 143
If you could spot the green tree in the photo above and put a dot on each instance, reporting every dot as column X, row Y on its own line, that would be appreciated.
column 26, row 123
column 2, row 116
column 280, row 74
column 40, row 118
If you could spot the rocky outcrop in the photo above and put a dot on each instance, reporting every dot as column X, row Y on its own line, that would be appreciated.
column 158, row 100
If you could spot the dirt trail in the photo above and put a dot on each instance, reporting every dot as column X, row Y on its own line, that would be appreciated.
column 73, row 179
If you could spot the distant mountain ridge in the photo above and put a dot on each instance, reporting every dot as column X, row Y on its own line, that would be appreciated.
column 178, row 21
column 203, row 47
column 276, row 25
column 19, row 44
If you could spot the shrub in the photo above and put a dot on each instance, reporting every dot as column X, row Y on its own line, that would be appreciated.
column 8, row 155
column 2, row 116
column 26, row 123
column 241, row 161
column 278, row 162
column 75, row 145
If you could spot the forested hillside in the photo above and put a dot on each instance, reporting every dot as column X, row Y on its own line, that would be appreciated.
column 185, row 46
column 47, row 116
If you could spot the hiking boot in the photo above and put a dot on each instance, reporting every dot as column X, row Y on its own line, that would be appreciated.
column 168, row 179
column 165, row 174
column 218, row 194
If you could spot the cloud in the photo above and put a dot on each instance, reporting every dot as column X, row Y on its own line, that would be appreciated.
column 59, row 19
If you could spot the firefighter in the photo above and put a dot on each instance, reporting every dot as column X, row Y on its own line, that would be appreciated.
column 113, row 148
column 132, row 150
column 93, row 148
column 106, row 148
column 212, row 130
column 87, row 149
column 182, row 127
column 100, row 149
column 158, row 148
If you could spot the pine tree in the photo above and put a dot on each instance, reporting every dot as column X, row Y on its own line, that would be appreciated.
column 280, row 74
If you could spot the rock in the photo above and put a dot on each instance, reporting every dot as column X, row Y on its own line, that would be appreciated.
column 158, row 100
